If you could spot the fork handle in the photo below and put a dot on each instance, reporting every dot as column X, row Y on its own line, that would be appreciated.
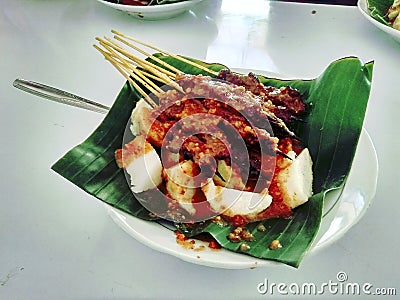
column 59, row 96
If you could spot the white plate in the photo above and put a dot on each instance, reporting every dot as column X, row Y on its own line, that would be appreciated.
column 342, row 209
column 352, row 202
column 363, row 7
column 155, row 12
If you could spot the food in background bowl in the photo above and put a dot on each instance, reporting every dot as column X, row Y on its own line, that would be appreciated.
column 376, row 12
column 393, row 14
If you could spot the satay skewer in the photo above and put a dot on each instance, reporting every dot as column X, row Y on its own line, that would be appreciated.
column 127, row 76
column 162, row 74
column 163, row 63
column 166, row 76
column 166, row 53
column 130, row 67
column 106, row 41
column 153, row 71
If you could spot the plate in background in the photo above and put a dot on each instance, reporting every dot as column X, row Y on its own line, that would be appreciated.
column 154, row 12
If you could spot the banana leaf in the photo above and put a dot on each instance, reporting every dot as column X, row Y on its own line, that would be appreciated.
column 378, row 10
column 337, row 100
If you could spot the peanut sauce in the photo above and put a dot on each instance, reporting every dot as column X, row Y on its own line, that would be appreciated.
column 238, row 111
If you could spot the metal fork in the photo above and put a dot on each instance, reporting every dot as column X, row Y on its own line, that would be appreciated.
column 59, row 96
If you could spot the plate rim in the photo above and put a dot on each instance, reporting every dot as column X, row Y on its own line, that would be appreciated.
column 241, row 261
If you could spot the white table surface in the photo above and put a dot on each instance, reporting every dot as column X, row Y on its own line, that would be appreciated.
column 56, row 242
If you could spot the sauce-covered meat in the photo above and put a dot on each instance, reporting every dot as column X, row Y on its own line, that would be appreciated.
column 284, row 102
column 219, row 134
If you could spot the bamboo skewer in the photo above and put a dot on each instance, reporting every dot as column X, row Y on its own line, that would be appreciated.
column 109, row 42
column 150, row 85
column 139, row 71
column 166, row 76
column 145, row 77
column 163, row 63
column 152, row 76
column 127, row 77
column 166, row 52
column 157, row 72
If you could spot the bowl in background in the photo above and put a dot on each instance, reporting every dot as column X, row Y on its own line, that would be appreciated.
column 154, row 12
column 363, row 7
